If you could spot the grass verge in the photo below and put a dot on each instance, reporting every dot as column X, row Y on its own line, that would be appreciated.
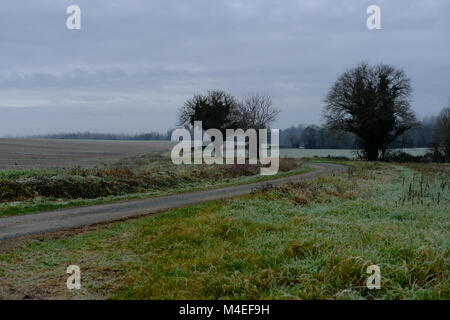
column 28, row 191
column 308, row 240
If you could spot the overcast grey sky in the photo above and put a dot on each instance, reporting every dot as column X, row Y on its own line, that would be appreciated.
column 135, row 62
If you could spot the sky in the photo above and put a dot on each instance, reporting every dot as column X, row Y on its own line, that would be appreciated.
column 133, row 63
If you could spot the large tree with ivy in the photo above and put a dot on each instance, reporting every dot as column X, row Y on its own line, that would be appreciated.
column 217, row 110
column 372, row 102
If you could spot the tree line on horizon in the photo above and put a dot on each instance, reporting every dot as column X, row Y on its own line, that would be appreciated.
column 300, row 136
column 321, row 137
column 368, row 108
column 86, row 135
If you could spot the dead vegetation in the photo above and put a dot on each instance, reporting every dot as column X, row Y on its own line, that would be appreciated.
column 91, row 183
column 323, row 189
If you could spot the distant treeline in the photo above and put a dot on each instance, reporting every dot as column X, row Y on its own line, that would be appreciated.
column 305, row 136
column 107, row 136
column 319, row 137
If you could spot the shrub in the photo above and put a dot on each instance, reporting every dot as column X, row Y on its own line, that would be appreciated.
column 14, row 191
column 402, row 157
column 90, row 183
column 288, row 164
column 239, row 170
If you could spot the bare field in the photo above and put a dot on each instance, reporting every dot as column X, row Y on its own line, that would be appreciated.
column 54, row 153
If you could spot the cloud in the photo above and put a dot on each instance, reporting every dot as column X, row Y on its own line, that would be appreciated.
column 140, row 59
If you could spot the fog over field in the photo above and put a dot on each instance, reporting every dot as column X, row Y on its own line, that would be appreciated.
column 134, row 63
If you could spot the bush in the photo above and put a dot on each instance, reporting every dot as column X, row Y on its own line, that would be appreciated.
column 74, row 187
column 401, row 156
column 239, row 170
column 14, row 191
column 288, row 164
column 91, row 183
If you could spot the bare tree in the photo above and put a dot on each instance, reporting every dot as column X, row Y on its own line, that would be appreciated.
column 373, row 102
column 257, row 112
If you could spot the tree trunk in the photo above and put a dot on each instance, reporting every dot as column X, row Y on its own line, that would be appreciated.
column 372, row 153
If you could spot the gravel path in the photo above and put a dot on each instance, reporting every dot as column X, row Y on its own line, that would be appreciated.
column 65, row 219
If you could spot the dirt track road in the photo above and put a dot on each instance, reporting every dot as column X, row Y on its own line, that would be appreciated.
column 65, row 219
